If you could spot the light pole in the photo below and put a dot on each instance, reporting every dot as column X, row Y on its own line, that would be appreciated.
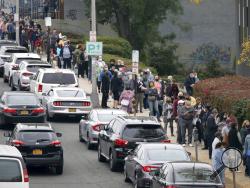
column 94, row 95
column 17, row 22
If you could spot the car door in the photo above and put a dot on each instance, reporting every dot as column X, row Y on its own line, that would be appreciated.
column 86, row 124
column 33, row 82
column 131, row 162
column 159, row 181
column 16, row 74
column 46, row 99
column 2, row 105
column 105, row 138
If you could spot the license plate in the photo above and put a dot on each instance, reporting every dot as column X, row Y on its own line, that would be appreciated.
column 24, row 112
column 37, row 152
column 72, row 110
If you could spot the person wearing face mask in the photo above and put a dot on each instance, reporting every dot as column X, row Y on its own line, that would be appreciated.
column 189, row 84
column 101, row 75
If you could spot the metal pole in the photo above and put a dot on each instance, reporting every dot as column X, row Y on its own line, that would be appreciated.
column 94, row 95
column 234, row 178
column 196, row 151
column 31, row 9
column 17, row 22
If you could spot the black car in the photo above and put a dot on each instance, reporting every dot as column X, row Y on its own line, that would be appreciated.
column 185, row 175
column 122, row 135
column 24, row 107
column 38, row 144
column 148, row 157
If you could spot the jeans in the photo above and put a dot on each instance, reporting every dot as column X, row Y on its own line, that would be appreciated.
column 179, row 140
column 153, row 107
column 186, row 124
column 139, row 100
column 67, row 63
column 105, row 96
column 145, row 101
column 247, row 166
column 210, row 140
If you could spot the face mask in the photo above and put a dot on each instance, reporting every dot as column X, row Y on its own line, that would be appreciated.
column 157, row 80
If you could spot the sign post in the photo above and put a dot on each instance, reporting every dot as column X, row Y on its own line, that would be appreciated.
column 135, row 61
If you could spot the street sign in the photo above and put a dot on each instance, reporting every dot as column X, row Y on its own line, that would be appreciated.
column 92, row 36
column 135, row 68
column 135, row 56
column 94, row 48
column 16, row 17
column 48, row 22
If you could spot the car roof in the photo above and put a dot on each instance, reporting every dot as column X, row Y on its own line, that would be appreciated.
column 156, row 146
column 35, row 62
column 55, row 70
column 190, row 164
column 67, row 89
column 9, row 151
column 34, row 126
column 109, row 111
column 13, row 47
column 139, row 120
column 18, row 93
column 7, row 41
column 26, row 55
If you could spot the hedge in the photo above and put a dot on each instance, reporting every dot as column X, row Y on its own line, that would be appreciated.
column 229, row 94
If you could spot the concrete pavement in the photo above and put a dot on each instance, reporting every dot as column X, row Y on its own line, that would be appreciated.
column 241, row 180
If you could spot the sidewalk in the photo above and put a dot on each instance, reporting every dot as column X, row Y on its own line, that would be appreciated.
column 241, row 180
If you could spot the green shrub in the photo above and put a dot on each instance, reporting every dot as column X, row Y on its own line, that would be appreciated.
column 241, row 110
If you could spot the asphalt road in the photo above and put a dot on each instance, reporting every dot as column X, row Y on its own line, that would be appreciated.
column 81, row 167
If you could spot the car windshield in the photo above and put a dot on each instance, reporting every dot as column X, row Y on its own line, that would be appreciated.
column 36, row 136
column 188, row 173
column 166, row 155
column 22, row 100
column 71, row 93
column 143, row 131
column 10, row 171
column 19, row 60
column 34, row 68
column 11, row 51
column 6, row 59
column 59, row 78
column 108, row 117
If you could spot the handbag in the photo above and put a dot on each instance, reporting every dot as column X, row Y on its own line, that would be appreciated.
column 124, row 102
column 151, row 98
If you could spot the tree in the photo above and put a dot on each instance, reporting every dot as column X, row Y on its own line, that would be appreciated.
column 136, row 20
column 245, row 54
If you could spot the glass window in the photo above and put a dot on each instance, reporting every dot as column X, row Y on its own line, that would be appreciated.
column 108, row 117
column 59, row 78
column 34, row 68
column 117, row 127
column 71, row 93
column 36, row 136
column 166, row 155
column 11, row 51
column 11, row 171
column 19, row 60
column 143, row 131
column 26, row 100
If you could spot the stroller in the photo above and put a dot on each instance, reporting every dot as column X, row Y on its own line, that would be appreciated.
column 126, row 100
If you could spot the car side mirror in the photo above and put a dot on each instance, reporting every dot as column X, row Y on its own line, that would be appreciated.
column 44, row 94
column 59, row 134
column 15, row 68
column 131, row 152
column 7, row 134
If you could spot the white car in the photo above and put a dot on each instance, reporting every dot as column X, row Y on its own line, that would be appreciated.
column 13, row 173
column 8, row 50
column 67, row 101
column 21, row 78
column 46, row 79
column 15, row 61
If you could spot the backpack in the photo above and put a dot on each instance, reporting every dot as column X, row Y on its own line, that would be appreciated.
column 66, row 52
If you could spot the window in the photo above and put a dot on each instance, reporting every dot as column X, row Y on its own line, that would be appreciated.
column 27, row 100
column 19, row 60
column 166, row 155
column 11, row 51
column 59, row 78
column 32, row 137
column 71, row 93
column 12, row 172
column 35, row 68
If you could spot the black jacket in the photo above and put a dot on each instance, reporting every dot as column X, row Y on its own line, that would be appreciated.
column 105, row 83
column 116, row 84
column 211, row 127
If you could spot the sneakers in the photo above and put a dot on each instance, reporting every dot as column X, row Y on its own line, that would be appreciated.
column 190, row 145
column 184, row 145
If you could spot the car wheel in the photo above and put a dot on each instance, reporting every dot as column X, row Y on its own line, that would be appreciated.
column 12, row 85
column 9, row 79
column 136, row 182
column 112, row 162
column 59, row 169
column 101, row 158
column 80, row 135
column 126, row 178
column 89, row 145
column 49, row 118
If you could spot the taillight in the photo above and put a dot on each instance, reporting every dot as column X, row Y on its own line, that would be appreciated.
column 9, row 110
column 57, row 103
column 26, row 175
column 40, row 88
column 149, row 168
column 38, row 111
column 170, row 186
column 120, row 142
column 166, row 141
column 97, row 127
column 27, row 74
column 56, row 143
column 17, row 143
column 86, row 103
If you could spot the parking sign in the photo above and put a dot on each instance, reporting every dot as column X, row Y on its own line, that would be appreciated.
column 94, row 48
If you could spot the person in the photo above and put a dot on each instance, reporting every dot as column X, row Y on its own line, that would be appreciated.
column 234, row 138
column 207, row 112
column 172, row 89
column 225, row 130
column 217, row 160
column 78, row 54
column 211, row 129
column 45, row 8
column 100, row 68
column 243, row 130
column 24, row 40
column 66, row 54
column 246, row 152
column 189, row 84
column 105, row 85
column 59, row 58
column 85, row 63
column 168, row 115
column 217, row 139
column 152, row 100
column 126, row 99
column 116, row 84
column 186, row 115
column 199, row 112
column 159, row 85
column 11, row 30
column 139, row 94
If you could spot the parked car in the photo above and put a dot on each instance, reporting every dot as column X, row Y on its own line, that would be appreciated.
column 26, row 69
column 90, row 126
column 18, row 107
column 15, row 61
column 38, row 144
column 148, row 157
column 185, row 175
column 13, row 173
column 46, row 79
column 66, row 101
column 4, row 59
column 8, row 50
column 122, row 135
column 8, row 43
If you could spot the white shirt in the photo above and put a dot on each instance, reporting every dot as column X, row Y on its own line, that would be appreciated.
column 215, row 142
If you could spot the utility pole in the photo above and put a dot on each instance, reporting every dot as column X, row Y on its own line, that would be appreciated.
column 17, row 22
column 94, row 95
column 31, row 9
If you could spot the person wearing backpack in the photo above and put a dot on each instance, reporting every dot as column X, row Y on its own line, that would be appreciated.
column 66, row 54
